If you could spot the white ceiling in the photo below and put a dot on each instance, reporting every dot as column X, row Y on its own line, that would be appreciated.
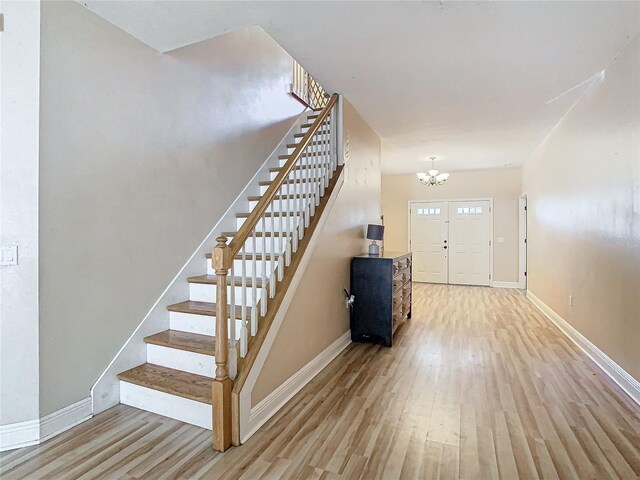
column 468, row 82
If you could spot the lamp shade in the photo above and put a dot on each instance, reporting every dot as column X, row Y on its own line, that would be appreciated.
column 375, row 232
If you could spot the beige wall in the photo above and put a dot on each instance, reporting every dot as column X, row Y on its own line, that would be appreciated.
column 140, row 154
column 501, row 184
column 583, row 192
column 19, row 114
column 317, row 315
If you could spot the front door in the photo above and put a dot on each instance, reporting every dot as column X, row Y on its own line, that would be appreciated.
column 469, row 243
column 429, row 238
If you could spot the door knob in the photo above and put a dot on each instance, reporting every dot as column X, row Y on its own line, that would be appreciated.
column 445, row 241
column 445, row 247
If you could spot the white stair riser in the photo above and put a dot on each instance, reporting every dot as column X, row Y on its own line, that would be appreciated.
column 265, row 224
column 200, row 292
column 194, row 323
column 172, row 406
column 191, row 362
column 237, row 266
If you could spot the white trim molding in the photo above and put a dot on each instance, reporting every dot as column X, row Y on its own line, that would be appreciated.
column 624, row 380
column 505, row 284
column 449, row 200
column 20, row 434
column 33, row 432
column 65, row 418
column 270, row 405
column 522, row 241
column 245, row 393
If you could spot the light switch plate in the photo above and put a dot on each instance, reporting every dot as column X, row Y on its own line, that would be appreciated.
column 8, row 255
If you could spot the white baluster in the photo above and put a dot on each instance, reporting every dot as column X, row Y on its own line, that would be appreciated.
column 280, row 237
column 311, row 177
column 300, row 194
column 263, row 301
column 272, row 260
column 287, row 238
column 317, row 175
column 307, row 180
column 334, row 137
column 254, row 286
column 233, row 354
column 327, row 163
column 244, row 339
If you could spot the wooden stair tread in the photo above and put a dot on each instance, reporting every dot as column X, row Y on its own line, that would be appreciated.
column 291, row 196
column 213, row 280
column 287, row 182
column 248, row 255
column 313, row 142
column 309, row 125
column 302, row 167
column 319, row 131
column 269, row 214
column 202, row 308
column 310, row 155
column 259, row 234
column 168, row 380
column 190, row 342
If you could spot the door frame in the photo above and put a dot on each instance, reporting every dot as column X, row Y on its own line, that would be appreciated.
column 473, row 199
column 522, row 241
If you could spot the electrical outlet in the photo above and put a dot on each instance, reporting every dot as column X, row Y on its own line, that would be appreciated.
column 571, row 300
column 349, row 301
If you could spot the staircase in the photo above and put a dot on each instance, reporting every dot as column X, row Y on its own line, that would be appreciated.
column 190, row 374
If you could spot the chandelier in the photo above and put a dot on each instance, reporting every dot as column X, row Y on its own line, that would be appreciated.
column 434, row 177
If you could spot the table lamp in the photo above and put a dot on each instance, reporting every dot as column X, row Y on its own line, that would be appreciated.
column 374, row 232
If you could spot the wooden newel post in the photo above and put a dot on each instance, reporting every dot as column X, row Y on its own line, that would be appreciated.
column 221, row 259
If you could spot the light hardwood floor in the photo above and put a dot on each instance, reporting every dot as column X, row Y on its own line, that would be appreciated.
column 478, row 385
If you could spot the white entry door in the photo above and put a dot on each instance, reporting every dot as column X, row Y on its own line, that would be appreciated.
column 450, row 242
column 469, row 243
column 429, row 241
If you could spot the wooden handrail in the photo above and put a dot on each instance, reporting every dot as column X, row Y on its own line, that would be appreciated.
column 222, row 261
column 245, row 230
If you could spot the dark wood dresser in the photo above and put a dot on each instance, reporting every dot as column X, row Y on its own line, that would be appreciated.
column 382, row 289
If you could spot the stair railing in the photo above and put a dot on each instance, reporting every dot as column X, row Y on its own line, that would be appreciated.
column 263, row 246
column 307, row 89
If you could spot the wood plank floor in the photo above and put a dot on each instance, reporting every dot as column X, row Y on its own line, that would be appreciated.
column 478, row 385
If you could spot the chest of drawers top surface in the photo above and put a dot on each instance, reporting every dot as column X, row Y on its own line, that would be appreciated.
column 386, row 256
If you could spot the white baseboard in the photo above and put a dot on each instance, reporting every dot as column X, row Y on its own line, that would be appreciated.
column 65, row 418
column 629, row 384
column 505, row 284
column 20, row 434
column 270, row 405
column 33, row 432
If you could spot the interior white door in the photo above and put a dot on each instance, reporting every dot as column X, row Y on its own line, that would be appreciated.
column 469, row 246
column 429, row 237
